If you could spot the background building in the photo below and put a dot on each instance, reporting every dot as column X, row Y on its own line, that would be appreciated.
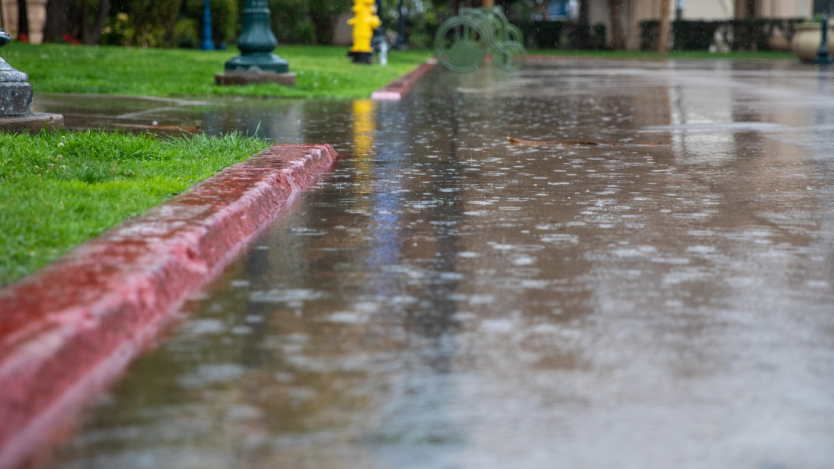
column 635, row 11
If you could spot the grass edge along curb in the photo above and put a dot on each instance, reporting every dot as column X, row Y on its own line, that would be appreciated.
column 79, row 321
column 60, row 189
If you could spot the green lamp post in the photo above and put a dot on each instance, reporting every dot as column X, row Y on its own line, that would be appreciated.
column 256, row 62
column 257, row 42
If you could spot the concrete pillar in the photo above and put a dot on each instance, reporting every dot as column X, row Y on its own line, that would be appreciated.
column 37, row 18
column 665, row 27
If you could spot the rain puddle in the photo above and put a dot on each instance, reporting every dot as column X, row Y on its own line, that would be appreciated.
column 444, row 299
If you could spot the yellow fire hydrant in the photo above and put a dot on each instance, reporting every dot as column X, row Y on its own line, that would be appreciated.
column 364, row 22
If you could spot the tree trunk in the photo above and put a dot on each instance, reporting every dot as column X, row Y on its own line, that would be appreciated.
column 746, row 9
column 85, row 20
column 665, row 27
column 94, row 36
column 584, row 11
column 455, row 7
column 57, row 20
column 74, row 22
column 22, row 20
column 617, row 39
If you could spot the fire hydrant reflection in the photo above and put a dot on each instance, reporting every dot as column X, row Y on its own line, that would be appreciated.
column 364, row 126
column 364, row 22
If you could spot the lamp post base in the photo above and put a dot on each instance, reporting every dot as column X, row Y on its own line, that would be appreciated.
column 258, row 62
column 15, row 91
column 823, row 59
column 248, row 78
column 15, row 99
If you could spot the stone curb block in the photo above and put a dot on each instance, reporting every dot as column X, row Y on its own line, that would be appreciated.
column 401, row 86
column 72, row 327
column 32, row 124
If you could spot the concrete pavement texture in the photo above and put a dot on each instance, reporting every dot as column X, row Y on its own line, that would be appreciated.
column 447, row 299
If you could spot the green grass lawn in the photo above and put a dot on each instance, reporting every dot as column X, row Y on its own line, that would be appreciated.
column 58, row 190
column 628, row 54
column 322, row 71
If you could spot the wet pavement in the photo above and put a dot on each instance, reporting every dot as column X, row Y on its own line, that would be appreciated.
column 446, row 300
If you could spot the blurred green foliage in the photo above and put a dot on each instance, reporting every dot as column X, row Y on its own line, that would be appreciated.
column 178, row 23
column 149, row 23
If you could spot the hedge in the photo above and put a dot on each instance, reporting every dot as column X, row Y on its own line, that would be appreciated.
column 739, row 35
column 562, row 35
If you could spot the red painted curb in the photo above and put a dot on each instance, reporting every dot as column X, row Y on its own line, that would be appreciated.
column 399, row 87
column 73, row 326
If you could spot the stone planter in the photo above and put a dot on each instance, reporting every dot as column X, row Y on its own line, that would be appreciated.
column 807, row 40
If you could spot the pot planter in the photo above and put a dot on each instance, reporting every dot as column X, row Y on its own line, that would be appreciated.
column 806, row 40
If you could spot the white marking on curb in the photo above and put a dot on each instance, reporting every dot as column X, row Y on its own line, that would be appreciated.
column 386, row 95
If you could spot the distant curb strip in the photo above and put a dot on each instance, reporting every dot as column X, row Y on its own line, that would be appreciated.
column 401, row 86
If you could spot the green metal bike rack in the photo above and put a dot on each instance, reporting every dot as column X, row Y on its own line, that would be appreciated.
column 463, row 42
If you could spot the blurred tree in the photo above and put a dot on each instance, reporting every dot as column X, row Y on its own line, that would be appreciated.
column 224, row 18
column 22, row 21
column 323, row 14
column 291, row 21
column 746, row 9
column 57, row 20
column 617, row 37
column 584, row 11
column 71, row 20
column 151, row 21
column 91, row 36
column 665, row 27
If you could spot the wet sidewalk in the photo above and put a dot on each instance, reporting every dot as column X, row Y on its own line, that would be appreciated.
column 447, row 300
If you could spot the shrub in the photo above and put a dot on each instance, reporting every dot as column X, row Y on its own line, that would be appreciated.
column 562, row 35
column 291, row 21
column 323, row 14
column 187, row 33
column 116, row 30
column 150, row 23
column 544, row 34
column 738, row 35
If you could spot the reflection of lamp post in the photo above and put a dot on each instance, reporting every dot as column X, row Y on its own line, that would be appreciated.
column 823, row 57
column 256, row 62
column 208, row 39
